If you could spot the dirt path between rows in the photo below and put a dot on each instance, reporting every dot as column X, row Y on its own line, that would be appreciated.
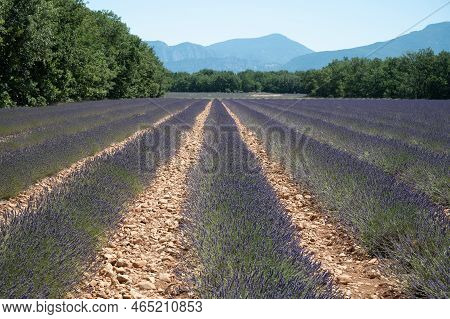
column 354, row 273
column 4, row 139
column 30, row 197
column 146, row 252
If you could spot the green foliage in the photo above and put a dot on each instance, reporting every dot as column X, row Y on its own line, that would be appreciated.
column 59, row 50
column 420, row 75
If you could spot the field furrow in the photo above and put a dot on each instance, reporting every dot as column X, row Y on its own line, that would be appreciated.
column 32, row 195
column 23, row 166
column 244, row 241
column 388, row 218
column 432, row 138
column 45, row 249
column 355, row 273
column 143, row 255
column 230, row 199
column 423, row 170
column 16, row 121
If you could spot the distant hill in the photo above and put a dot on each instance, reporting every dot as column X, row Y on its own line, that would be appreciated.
column 271, row 49
column 277, row 52
column 435, row 36
column 179, row 52
column 265, row 53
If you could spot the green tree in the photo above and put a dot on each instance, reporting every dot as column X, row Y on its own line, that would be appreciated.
column 59, row 50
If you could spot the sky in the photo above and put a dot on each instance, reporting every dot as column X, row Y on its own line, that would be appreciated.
column 319, row 24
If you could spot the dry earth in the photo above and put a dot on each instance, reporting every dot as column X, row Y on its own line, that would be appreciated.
column 147, row 250
column 356, row 274
column 4, row 139
column 30, row 197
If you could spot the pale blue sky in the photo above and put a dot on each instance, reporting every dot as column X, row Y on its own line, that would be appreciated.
column 320, row 24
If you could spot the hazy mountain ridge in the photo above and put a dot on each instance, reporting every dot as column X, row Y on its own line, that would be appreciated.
column 182, row 51
column 277, row 52
column 434, row 36
column 264, row 53
column 274, row 48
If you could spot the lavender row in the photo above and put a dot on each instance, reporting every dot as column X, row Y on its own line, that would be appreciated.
column 401, row 113
column 427, row 171
column 434, row 137
column 243, row 238
column 24, row 166
column 45, row 250
column 389, row 218
column 76, row 123
column 16, row 120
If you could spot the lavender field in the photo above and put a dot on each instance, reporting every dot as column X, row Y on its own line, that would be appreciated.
column 277, row 198
column 393, row 195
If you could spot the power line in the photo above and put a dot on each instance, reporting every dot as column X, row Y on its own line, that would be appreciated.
column 407, row 30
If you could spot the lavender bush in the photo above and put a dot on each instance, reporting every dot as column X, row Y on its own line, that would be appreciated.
column 243, row 238
column 16, row 120
column 45, row 250
column 422, row 169
column 389, row 218
column 25, row 165
column 405, row 119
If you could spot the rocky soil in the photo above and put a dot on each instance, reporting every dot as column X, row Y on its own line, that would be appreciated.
column 146, row 253
column 31, row 196
column 356, row 274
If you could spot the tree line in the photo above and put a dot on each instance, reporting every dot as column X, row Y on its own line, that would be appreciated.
column 418, row 75
column 59, row 50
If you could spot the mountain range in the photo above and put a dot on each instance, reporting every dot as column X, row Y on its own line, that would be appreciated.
column 265, row 53
column 277, row 52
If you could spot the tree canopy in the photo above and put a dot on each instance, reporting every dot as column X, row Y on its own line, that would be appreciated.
column 421, row 74
column 59, row 50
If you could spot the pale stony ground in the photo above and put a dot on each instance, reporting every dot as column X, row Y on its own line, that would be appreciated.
column 355, row 273
column 30, row 196
column 144, row 254
column 4, row 139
